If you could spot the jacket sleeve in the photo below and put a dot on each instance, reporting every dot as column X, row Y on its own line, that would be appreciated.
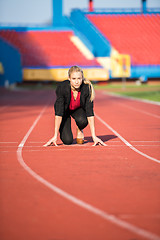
column 89, row 105
column 59, row 104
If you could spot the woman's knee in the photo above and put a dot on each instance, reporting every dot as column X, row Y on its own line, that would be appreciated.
column 67, row 140
column 82, row 123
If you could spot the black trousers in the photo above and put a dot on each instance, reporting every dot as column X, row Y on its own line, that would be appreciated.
column 80, row 118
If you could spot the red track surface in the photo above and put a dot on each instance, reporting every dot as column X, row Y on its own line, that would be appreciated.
column 122, row 183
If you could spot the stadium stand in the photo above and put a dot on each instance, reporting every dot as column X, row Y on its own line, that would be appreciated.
column 101, row 47
column 47, row 48
column 106, row 44
column 135, row 34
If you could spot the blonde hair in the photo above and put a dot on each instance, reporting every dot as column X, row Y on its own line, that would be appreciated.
column 86, row 81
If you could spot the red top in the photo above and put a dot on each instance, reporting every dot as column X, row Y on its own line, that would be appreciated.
column 74, row 104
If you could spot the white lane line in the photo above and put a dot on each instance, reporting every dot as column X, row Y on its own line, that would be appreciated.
column 146, row 141
column 90, row 144
column 6, row 151
column 141, row 111
column 111, row 218
column 135, row 109
column 129, row 216
column 32, row 127
column 84, row 137
column 125, row 141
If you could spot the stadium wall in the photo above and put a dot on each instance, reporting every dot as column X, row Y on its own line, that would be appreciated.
column 10, row 65
column 150, row 71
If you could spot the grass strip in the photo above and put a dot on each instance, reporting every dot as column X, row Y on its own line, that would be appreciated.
column 148, row 95
column 147, row 91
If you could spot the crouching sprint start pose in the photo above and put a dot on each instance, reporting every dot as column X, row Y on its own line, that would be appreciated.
column 74, row 99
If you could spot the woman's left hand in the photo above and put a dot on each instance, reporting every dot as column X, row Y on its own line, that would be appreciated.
column 98, row 141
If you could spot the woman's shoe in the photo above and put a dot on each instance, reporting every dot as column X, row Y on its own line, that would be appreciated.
column 80, row 140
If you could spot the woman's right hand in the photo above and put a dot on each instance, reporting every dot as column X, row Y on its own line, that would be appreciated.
column 52, row 141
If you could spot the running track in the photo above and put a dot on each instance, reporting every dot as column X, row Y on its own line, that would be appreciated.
column 79, row 192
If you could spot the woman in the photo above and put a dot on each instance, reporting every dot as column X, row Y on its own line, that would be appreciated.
column 74, row 99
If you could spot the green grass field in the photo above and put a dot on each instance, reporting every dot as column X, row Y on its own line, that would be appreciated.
column 149, row 91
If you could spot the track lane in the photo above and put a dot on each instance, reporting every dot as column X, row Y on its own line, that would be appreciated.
column 23, row 212
column 129, row 124
column 91, row 179
column 55, row 150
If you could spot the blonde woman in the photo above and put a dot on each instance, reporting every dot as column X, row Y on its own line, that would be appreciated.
column 74, row 99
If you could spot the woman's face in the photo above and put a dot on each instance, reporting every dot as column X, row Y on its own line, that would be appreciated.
column 75, row 80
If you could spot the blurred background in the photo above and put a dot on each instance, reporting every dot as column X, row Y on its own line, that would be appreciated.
column 114, row 40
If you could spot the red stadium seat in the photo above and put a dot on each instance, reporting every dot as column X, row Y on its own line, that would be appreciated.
column 137, row 35
column 47, row 48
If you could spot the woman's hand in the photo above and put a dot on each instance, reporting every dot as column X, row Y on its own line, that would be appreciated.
column 98, row 141
column 52, row 141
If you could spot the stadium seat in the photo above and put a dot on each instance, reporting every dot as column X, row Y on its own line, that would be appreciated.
column 137, row 35
column 47, row 48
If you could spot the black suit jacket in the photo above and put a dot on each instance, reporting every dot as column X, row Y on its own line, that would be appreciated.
column 63, row 93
